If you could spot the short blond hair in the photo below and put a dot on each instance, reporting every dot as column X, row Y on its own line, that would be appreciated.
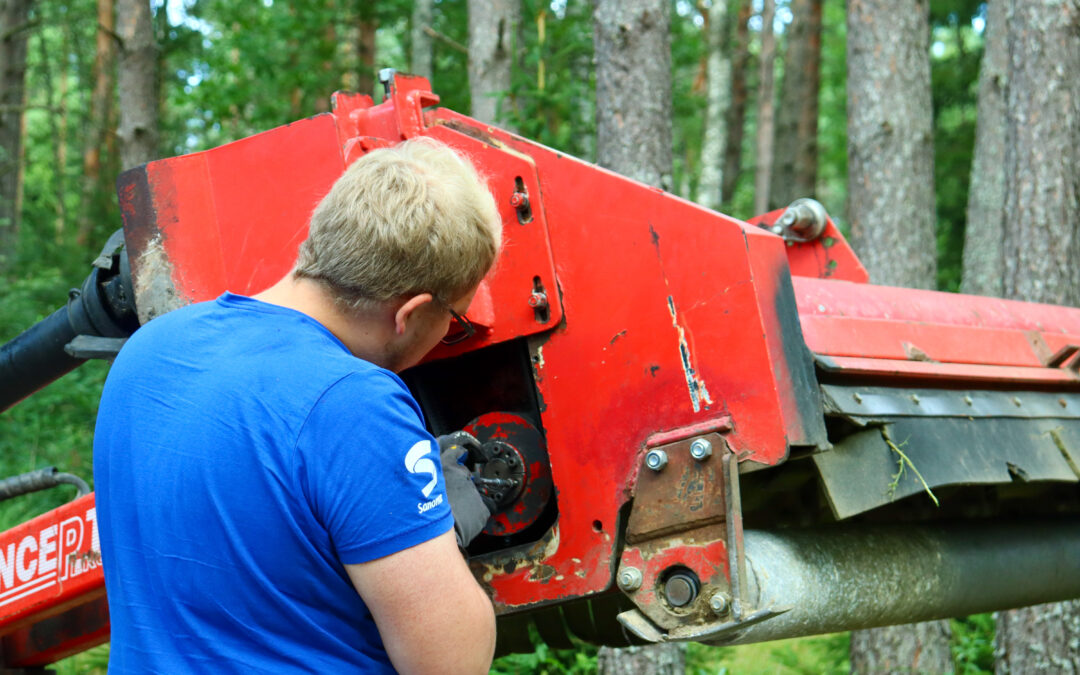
column 412, row 218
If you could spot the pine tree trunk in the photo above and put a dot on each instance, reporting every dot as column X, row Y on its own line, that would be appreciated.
column 101, row 104
column 422, row 48
column 137, row 83
column 765, row 126
column 902, row 650
column 1042, row 152
column 736, row 119
column 984, row 253
column 663, row 659
column 633, row 137
column 365, row 48
column 1040, row 639
column 492, row 37
column 794, row 171
column 633, row 89
column 892, row 212
column 717, row 101
column 13, row 34
column 890, row 141
column 1042, row 200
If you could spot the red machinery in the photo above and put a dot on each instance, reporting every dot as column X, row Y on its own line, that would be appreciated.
column 656, row 376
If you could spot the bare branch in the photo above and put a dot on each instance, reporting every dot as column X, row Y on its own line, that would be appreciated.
column 443, row 38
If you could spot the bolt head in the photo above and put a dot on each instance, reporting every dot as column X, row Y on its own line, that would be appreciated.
column 680, row 589
column 656, row 460
column 719, row 603
column 701, row 449
column 630, row 579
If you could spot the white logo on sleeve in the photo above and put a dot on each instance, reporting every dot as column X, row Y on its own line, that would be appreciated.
column 417, row 461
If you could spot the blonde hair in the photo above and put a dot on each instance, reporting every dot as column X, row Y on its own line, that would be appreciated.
column 412, row 218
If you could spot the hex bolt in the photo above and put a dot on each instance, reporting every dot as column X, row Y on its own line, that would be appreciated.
column 719, row 603
column 519, row 200
column 656, row 460
column 630, row 579
column 538, row 300
column 701, row 449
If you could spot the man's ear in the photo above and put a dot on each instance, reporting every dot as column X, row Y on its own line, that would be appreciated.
column 408, row 309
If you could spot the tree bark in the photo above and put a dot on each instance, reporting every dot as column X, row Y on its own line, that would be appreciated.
column 101, row 105
column 984, row 233
column 765, row 127
column 902, row 650
column 794, row 171
column 422, row 47
column 892, row 212
column 13, row 36
column 365, row 47
column 492, row 36
column 137, row 83
column 633, row 89
column 1042, row 200
column 1042, row 155
column 736, row 119
column 633, row 137
column 890, row 141
column 661, row 659
column 1040, row 639
column 717, row 101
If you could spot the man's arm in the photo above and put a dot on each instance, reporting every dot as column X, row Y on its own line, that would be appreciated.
column 432, row 615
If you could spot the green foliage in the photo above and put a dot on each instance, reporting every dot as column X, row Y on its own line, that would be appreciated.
column 54, row 427
column 973, row 644
column 548, row 661
column 821, row 655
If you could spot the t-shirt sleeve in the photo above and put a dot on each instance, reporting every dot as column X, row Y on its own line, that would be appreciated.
column 371, row 470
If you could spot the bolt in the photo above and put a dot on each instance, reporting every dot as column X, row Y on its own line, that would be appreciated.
column 701, row 449
column 1063, row 402
column 967, row 399
column 630, row 579
column 858, row 399
column 1017, row 402
column 915, row 399
column 386, row 77
column 519, row 200
column 656, row 460
column 719, row 603
column 498, row 496
column 538, row 300
column 681, row 589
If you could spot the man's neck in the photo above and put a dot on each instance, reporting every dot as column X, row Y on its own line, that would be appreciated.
column 363, row 332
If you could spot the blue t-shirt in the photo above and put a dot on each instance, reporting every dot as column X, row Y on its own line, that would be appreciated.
column 241, row 456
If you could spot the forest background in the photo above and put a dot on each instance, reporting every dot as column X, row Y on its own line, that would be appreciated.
column 225, row 69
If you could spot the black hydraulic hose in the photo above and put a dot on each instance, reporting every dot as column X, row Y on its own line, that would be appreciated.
column 41, row 479
column 36, row 357
column 103, row 307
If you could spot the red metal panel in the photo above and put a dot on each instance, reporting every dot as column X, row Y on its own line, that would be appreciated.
column 880, row 330
column 943, row 373
column 829, row 256
column 50, row 564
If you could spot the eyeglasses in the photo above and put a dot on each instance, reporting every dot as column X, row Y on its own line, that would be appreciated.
column 461, row 330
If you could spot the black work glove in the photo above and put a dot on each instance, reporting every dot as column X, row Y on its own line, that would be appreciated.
column 471, row 510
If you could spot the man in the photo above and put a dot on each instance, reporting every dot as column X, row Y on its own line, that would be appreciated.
column 268, row 497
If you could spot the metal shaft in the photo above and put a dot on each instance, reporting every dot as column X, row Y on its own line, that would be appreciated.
column 849, row 578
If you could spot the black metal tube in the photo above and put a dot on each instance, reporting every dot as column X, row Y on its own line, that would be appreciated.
column 846, row 578
column 40, row 479
column 104, row 306
column 35, row 358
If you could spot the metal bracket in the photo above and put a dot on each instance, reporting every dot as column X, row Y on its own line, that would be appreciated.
column 638, row 624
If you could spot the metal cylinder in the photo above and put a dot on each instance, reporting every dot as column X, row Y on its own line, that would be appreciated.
column 848, row 578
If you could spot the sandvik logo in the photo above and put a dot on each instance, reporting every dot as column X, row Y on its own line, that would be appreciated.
column 416, row 461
